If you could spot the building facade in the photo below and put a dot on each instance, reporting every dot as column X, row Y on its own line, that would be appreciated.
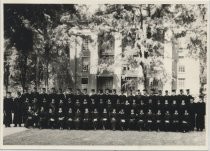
column 87, row 58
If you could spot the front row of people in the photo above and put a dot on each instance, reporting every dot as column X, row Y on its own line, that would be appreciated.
column 109, row 120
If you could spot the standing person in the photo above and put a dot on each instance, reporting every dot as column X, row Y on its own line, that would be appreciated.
column 53, row 97
column 26, row 99
column 93, row 100
column 44, row 99
column 85, row 100
column 8, row 106
column 100, row 101
column 120, row 101
column 17, row 108
column 201, row 112
column 188, row 96
column 69, row 100
column 192, row 112
column 95, row 118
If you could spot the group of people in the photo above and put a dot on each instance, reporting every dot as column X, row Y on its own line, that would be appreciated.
column 105, row 110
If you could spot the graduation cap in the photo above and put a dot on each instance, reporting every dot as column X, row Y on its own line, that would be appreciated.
column 60, row 89
column 84, row 89
column 8, row 92
column 93, row 90
column 160, row 91
column 100, row 90
column 144, row 90
column 114, row 90
column 181, row 90
column 152, row 90
column 188, row 90
column 35, row 88
column 53, row 88
column 78, row 89
column 166, row 91
column 138, row 90
column 173, row 90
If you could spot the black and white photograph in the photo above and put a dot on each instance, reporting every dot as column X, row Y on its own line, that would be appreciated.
column 108, row 74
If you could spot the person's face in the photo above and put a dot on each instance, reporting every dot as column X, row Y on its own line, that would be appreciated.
column 141, row 111
column 43, row 90
column 95, row 110
column 132, row 111
column 166, row 92
column 166, row 101
column 191, row 101
column 122, row 92
column 86, row 110
column 42, row 108
column 188, row 92
column 149, row 111
column 60, row 109
column 50, row 110
column 9, row 95
column 70, row 110
column 150, row 100
column 53, row 90
column 173, row 93
column 85, row 91
column 174, row 101
column 114, row 110
column 176, row 111
column 114, row 92
column 183, row 102
column 107, row 91
column 158, row 111
column 144, row 92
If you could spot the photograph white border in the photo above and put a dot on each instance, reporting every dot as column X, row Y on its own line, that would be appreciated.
column 101, row 147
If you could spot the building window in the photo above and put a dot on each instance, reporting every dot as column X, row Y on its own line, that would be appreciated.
column 181, row 82
column 84, row 80
column 85, row 64
column 181, row 69
column 85, row 44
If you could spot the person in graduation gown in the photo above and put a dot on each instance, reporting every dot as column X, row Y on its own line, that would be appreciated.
column 51, row 118
column 44, row 98
column 149, row 120
column 69, row 119
column 77, row 101
column 17, row 108
column 167, row 121
column 185, row 122
column 141, row 120
column 77, row 119
column 26, row 98
column 42, row 123
column 158, row 122
column 53, row 97
column 174, row 106
column 176, row 121
column 114, row 98
column 85, row 100
column 30, row 118
column 201, row 112
column 132, row 120
column 104, row 119
column 95, row 118
column 69, row 99
column 93, row 100
column 101, row 102
column 8, row 109
column 113, row 119
column 86, row 119
column 122, row 120
column 121, row 101
column 60, row 118
column 192, row 112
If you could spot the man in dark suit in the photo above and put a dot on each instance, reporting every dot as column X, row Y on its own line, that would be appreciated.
column 17, row 108
column 8, row 106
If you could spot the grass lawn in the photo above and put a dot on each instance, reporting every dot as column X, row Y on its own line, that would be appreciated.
column 101, row 137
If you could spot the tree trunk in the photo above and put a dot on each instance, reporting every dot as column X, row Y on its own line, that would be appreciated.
column 37, row 71
column 23, row 71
